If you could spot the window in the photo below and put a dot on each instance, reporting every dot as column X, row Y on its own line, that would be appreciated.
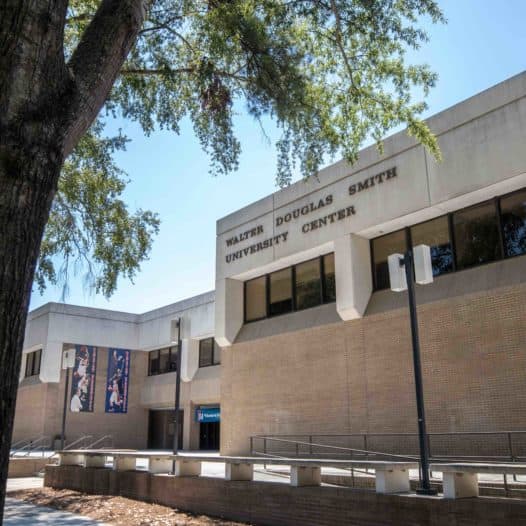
column 162, row 361
column 209, row 352
column 280, row 292
column 33, row 363
column 394, row 243
column 435, row 234
column 463, row 239
column 256, row 299
column 329, row 278
column 308, row 284
column 301, row 286
column 513, row 219
column 476, row 235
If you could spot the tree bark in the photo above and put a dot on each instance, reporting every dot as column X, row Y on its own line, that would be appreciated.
column 26, row 194
column 46, row 106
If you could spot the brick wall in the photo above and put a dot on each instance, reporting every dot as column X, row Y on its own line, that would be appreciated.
column 275, row 504
column 39, row 408
column 357, row 376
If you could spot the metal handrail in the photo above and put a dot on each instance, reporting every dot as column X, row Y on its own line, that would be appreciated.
column 353, row 452
column 93, row 444
column 507, row 440
column 364, row 452
column 25, row 441
column 78, row 441
column 31, row 446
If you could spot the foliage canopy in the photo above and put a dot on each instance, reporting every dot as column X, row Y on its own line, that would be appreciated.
column 330, row 73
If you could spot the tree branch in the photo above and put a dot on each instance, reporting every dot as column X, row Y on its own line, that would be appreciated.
column 96, row 62
column 167, row 71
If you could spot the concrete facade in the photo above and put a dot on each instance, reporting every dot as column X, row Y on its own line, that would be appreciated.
column 346, row 367
column 57, row 327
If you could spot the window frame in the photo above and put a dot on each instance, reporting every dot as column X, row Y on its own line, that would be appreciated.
column 267, row 298
column 323, row 300
column 501, row 224
column 214, row 346
column 496, row 201
column 172, row 350
column 30, row 369
column 295, row 284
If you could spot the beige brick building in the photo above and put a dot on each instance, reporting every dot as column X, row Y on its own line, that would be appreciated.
column 151, row 339
column 313, row 343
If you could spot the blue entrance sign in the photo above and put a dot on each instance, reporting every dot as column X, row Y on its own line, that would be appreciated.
column 208, row 414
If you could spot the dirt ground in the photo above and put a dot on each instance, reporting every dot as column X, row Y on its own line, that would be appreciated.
column 116, row 510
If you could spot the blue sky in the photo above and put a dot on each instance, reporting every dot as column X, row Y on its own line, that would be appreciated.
column 483, row 43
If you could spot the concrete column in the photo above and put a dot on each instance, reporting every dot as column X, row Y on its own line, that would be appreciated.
column 392, row 481
column 51, row 363
column 95, row 461
column 160, row 465
column 187, row 468
column 354, row 283
column 460, row 485
column 305, row 476
column 228, row 310
column 22, row 367
column 189, row 359
column 71, row 459
column 239, row 471
column 124, row 463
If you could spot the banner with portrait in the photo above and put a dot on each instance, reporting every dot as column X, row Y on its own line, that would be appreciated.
column 117, row 381
column 82, row 395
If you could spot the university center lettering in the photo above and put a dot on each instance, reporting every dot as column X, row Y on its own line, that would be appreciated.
column 304, row 210
column 256, row 247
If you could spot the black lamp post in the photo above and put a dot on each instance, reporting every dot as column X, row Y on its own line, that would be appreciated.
column 177, row 388
column 426, row 489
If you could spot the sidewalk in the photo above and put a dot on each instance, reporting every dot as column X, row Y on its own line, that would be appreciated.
column 19, row 513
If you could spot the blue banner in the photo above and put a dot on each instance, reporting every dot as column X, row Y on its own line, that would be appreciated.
column 82, row 395
column 117, row 381
column 208, row 414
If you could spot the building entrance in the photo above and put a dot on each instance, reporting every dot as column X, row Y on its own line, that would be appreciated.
column 161, row 428
column 209, row 435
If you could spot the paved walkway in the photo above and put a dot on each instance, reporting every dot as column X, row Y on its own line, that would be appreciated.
column 19, row 513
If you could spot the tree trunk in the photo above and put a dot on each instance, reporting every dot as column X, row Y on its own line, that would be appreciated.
column 46, row 105
column 28, row 181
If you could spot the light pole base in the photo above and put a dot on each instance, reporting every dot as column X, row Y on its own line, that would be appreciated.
column 426, row 491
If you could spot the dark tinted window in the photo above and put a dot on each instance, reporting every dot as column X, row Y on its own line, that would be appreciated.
column 256, row 298
column 33, row 363
column 329, row 278
column 272, row 294
column 153, row 366
column 513, row 218
column 162, row 361
column 308, row 284
column 383, row 247
column 209, row 352
column 476, row 235
column 280, row 292
column 435, row 234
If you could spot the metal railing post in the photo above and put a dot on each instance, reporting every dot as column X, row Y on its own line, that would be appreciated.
column 310, row 445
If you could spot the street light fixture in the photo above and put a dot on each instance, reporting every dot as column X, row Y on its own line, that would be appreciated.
column 404, row 270
column 68, row 362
